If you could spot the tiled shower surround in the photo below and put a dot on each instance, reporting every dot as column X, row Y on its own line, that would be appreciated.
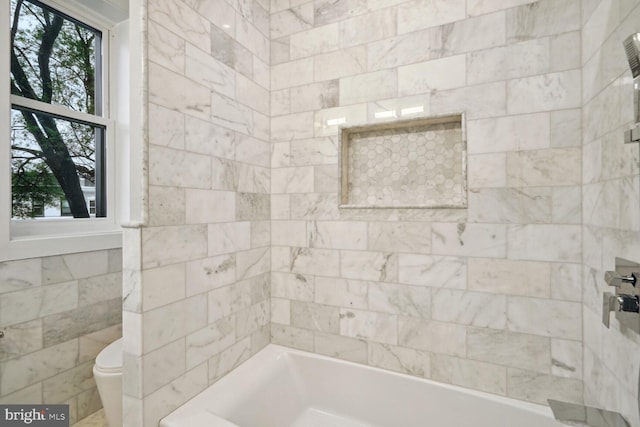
column 243, row 242
column 486, row 297
column 58, row 312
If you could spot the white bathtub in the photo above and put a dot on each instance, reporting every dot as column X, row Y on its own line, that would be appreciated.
column 282, row 387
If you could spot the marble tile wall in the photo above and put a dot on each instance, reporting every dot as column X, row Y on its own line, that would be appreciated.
column 487, row 297
column 197, row 282
column 611, row 200
column 57, row 313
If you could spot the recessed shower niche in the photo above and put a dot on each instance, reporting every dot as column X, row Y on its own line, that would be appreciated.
column 419, row 163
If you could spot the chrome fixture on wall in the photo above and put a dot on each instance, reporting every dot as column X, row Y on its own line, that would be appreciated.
column 632, row 49
column 625, row 302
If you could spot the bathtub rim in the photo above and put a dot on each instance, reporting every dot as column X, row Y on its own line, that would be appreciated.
column 277, row 354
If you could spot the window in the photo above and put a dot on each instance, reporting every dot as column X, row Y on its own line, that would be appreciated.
column 59, row 124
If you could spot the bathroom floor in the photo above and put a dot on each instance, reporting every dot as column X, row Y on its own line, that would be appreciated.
column 96, row 419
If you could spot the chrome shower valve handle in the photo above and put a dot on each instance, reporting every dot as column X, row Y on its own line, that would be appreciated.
column 618, row 303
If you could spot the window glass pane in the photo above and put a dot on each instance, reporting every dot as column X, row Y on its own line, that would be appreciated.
column 54, row 58
column 54, row 159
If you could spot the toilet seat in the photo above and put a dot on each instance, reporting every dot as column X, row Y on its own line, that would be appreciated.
column 109, row 360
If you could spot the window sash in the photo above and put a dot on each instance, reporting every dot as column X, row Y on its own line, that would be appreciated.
column 60, row 112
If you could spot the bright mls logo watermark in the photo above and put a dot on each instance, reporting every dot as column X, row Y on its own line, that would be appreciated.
column 34, row 415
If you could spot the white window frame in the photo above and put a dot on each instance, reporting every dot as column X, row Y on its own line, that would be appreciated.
column 21, row 239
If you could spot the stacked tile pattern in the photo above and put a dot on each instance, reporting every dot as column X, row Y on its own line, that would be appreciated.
column 611, row 200
column 57, row 313
column 196, row 296
column 486, row 297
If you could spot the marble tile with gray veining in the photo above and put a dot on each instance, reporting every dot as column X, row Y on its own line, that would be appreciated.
column 369, row 325
column 291, row 74
column 400, row 359
column 376, row 25
column 337, row 235
column 252, row 151
column 413, row 237
column 231, row 114
column 252, row 262
column 292, row 180
column 367, row 87
column 432, row 271
column 37, row 366
column 413, row 301
column 226, row 238
column 435, row 75
column 323, row 262
column 317, row 151
column 209, row 72
column 189, row 315
column 210, row 340
column 99, row 288
column 557, row 319
column 340, row 63
column 470, row 308
column 302, row 339
column 183, row 21
column 478, row 101
column 252, row 206
column 538, row 242
column 171, row 90
column 24, row 274
column 474, row 34
column 419, row 14
column 537, row 387
column 229, row 359
column 342, row 292
column 512, row 205
column 62, row 327
column 429, row 335
column 469, row 239
column 468, row 373
column 314, row 41
column 292, row 286
column 292, row 126
column 380, row 266
column 160, row 199
column 174, row 168
column 542, row 18
column 168, row 128
column 207, row 138
column 164, row 400
column 404, row 49
column 34, row 303
column 280, row 311
column 512, row 349
column 566, row 358
column 510, row 277
column 21, row 339
column 231, row 53
column 345, row 348
column 210, row 273
column 315, row 96
column 315, row 317
column 292, row 20
column 163, row 365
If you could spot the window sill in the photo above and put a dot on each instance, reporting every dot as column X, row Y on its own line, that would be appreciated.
column 49, row 245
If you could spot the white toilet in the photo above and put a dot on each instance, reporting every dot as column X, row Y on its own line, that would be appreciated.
column 108, row 375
